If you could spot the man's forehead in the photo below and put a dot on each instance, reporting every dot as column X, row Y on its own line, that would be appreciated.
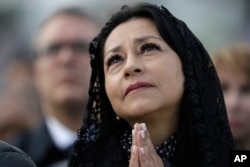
column 65, row 27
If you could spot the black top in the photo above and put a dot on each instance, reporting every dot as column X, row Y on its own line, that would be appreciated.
column 11, row 156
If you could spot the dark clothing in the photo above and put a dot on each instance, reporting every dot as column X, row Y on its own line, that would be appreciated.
column 40, row 147
column 11, row 156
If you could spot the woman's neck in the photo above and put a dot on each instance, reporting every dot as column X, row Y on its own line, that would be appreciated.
column 162, row 130
column 161, row 126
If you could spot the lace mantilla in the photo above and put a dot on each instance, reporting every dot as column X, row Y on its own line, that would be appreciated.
column 165, row 150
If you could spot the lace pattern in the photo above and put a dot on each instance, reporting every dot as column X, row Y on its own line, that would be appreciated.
column 165, row 150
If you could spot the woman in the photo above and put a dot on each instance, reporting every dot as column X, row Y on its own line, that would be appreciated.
column 232, row 65
column 154, row 98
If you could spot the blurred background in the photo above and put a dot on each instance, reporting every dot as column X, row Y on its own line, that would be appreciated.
column 215, row 22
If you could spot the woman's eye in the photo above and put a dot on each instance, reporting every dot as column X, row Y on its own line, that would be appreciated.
column 114, row 59
column 149, row 47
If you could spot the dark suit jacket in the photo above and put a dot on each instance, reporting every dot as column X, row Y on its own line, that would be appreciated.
column 40, row 147
column 11, row 156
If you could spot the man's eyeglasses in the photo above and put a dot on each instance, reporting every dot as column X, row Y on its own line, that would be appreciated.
column 78, row 47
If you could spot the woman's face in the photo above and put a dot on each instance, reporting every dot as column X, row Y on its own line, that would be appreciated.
column 236, row 90
column 143, row 75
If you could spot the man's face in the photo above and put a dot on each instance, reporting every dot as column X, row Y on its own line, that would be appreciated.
column 61, row 70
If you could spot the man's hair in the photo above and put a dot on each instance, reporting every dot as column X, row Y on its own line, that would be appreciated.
column 71, row 11
column 66, row 11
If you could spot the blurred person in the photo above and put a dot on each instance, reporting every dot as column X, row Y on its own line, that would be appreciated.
column 19, row 107
column 233, row 67
column 11, row 156
column 154, row 97
column 61, row 73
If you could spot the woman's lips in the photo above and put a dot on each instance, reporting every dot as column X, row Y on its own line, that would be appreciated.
column 137, row 85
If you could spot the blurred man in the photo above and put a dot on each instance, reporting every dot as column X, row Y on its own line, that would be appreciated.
column 61, row 73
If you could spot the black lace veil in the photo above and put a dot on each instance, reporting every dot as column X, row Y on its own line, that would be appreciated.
column 204, row 137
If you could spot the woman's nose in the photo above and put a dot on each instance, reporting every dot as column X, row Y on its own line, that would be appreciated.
column 137, row 70
column 133, row 66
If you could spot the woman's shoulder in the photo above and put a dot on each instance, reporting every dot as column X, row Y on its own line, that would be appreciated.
column 12, row 156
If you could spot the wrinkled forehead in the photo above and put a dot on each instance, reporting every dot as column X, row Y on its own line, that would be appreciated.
column 136, row 30
column 163, row 22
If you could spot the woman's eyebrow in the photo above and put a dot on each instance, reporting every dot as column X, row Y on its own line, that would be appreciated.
column 136, row 41
column 114, row 49
column 144, row 38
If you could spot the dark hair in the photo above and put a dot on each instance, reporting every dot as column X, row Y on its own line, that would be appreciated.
column 203, row 131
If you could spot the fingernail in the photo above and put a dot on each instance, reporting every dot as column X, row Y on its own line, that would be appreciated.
column 142, row 134
column 143, row 126
column 133, row 132
column 142, row 150
column 134, row 148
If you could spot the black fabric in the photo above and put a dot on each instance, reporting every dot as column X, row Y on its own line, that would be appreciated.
column 11, row 156
column 165, row 150
column 204, row 138
column 40, row 147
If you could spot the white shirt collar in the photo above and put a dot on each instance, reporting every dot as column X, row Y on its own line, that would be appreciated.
column 62, row 136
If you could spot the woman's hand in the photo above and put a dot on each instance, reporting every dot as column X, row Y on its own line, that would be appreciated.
column 143, row 153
